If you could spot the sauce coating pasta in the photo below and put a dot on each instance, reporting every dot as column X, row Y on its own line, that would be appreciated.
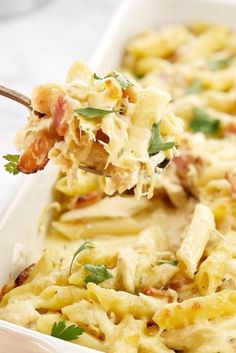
column 158, row 275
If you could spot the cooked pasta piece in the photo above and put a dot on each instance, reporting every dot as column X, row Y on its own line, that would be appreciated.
column 91, row 316
column 127, row 336
column 215, row 268
column 215, row 336
column 122, row 303
column 210, row 307
column 196, row 238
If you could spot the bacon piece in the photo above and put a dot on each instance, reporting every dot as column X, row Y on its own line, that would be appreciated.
column 36, row 156
column 231, row 177
column 58, row 114
column 101, row 136
column 158, row 293
column 5, row 289
column 182, row 164
column 231, row 128
column 87, row 200
column 22, row 277
column 179, row 284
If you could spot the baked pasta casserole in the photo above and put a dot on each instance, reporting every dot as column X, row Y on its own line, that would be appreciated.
column 157, row 275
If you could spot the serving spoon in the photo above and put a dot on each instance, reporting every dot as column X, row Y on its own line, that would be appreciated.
column 19, row 98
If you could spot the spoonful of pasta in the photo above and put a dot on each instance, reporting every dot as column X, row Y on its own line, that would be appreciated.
column 105, row 125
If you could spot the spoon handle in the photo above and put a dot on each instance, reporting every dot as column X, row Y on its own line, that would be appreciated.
column 19, row 98
column 16, row 96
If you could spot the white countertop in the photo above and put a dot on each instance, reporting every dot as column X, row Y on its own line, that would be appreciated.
column 39, row 47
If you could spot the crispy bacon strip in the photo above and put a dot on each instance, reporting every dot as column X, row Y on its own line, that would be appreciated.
column 158, row 293
column 180, row 283
column 87, row 200
column 22, row 277
column 101, row 136
column 36, row 156
column 5, row 289
column 59, row 110
column 182, row 164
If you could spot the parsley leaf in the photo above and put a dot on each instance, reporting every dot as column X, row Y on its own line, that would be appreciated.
column 195, row 87
column 66, row 333
column 219, row 64
column 171, row 262
column 156, row 144
column 11, row 166
column 122, row 79
column 91, row 112
column 203, row 122
column 98, row 273
column 96, row 77
column 86, row 245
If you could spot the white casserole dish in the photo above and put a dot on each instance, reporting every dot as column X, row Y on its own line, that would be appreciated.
column 21, row 243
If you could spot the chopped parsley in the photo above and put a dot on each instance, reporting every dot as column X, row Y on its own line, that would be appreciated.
column 219, row 64
column 86, row 245
column 11, row 166
column 122, row 79
column 156, row 144
column 66, row 333
column 203, row 122
column 98, row 273
column 91, row 112
column 195, row 87
column 96, row 77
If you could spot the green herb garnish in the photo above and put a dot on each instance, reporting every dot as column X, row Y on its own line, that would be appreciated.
column 98, row 273
column 203, row 122
column 156, row 144
column 96, row 77
column 91, row 112
column 86, row 245
column 11, row 166
column 195, row 87
column 66, row 333
column 122, row 79
column 173, row 262
column 219, row 64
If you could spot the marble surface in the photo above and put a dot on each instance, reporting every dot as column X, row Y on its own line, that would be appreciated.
column 39, row 47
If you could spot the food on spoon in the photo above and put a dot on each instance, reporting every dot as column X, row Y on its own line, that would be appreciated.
column 110, row 125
